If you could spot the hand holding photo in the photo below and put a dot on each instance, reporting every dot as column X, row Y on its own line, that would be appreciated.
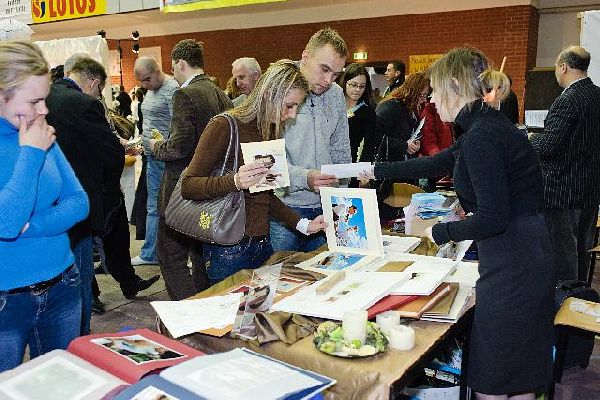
column 271, row 154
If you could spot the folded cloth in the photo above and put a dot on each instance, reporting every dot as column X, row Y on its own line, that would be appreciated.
column 286, row 327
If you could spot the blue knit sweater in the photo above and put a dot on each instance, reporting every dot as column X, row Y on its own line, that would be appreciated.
column 40, row 188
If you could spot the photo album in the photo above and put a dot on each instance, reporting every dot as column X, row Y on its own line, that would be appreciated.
column 354, row 236
column 272, row 154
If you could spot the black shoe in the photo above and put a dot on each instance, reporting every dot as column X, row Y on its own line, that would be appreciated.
column 140, row 285
column 97, row 306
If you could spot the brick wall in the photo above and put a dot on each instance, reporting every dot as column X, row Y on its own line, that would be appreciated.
column 502, row 31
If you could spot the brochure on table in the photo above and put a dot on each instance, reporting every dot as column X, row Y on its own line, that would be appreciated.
column 354, row 236
column 245, row 375
column 272, row 154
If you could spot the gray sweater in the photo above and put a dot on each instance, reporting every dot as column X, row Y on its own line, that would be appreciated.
column 318, row 136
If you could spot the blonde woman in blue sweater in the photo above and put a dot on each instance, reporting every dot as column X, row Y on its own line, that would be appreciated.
column 40, row 199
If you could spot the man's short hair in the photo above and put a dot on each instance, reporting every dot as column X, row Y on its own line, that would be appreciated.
column 249, row 63
column 327, row 36
column 90, row 69
column 147, row 64
column 190, row 51
column 69, row 62
column 575, row 57
column 399, row 66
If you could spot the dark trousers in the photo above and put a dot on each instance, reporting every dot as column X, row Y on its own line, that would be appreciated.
column 572, row 235
column 114, row 250
column 173, row 249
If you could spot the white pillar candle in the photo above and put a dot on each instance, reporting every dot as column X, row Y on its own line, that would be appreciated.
column 354, row 325
column 387, row 320
column 402, row 338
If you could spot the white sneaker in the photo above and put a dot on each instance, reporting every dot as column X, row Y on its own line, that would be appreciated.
column 137, row 260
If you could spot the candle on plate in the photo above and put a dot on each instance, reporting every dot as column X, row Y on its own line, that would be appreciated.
column 387, row 320
column 354, row 325
column 402, row 338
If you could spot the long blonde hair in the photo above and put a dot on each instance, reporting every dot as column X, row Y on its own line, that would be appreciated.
column 264, row 103
column 19, row 60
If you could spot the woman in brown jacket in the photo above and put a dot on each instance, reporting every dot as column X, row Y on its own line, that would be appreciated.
column 262, row 116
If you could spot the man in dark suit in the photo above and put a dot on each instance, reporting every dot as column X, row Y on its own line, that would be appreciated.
column 569, row 149
column 394, row 74
column 194, row 104
column 97, row 158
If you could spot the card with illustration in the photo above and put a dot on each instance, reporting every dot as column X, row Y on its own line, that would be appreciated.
column 137, row 348
column 258, row 298
column 353, row 218
column 272, row 154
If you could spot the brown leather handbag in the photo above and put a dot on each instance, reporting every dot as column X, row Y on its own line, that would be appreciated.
column 221, row 220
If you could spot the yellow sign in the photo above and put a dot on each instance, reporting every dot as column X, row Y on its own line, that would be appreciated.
column 421, row 62
column 57, row 10
column 168, row 6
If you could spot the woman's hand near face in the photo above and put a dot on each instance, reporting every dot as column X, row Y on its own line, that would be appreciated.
column 39, row 134
column 413, row 146
column 249, row 174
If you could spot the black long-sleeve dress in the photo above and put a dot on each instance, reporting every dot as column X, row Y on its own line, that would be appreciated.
column 497, row 177
column 361, row 126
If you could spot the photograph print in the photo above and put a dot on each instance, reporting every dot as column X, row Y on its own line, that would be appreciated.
column 272, row 155
column 137, row 348
column 353, row 219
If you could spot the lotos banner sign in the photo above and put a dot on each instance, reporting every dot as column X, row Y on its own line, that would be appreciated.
column 57, row 10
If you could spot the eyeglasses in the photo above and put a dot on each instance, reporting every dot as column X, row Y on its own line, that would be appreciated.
column 424, row 96
column 355, row 86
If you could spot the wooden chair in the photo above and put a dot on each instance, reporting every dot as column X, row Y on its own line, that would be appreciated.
column 567, row 322
column 401, row 194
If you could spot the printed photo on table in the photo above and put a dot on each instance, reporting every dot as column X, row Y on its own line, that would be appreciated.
column 137, row 348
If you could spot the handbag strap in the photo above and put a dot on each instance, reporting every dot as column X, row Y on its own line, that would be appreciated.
column 234, row 141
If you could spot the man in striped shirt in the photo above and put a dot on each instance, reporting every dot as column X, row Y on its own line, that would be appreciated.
column 569, row 152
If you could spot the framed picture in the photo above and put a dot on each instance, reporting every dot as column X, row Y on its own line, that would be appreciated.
column 353, row 218
column 272, row 154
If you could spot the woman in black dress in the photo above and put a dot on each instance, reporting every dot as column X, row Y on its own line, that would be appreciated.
column 361, row 112
column 498, row 179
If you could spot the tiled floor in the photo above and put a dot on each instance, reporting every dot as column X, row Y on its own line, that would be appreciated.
column 577, row 383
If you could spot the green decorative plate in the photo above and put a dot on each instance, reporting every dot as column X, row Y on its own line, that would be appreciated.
column 329, row 339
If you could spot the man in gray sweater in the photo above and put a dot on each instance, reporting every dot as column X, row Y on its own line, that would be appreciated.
column 318, row 136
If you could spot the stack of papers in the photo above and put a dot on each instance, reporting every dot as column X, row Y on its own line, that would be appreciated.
column 358, row 291
column 190, row 316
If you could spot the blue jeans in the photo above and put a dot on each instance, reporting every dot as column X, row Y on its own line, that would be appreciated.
column 154, row 173
column 84, row 259
column 45, row 320
column 223, row 261
column 285, row 239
